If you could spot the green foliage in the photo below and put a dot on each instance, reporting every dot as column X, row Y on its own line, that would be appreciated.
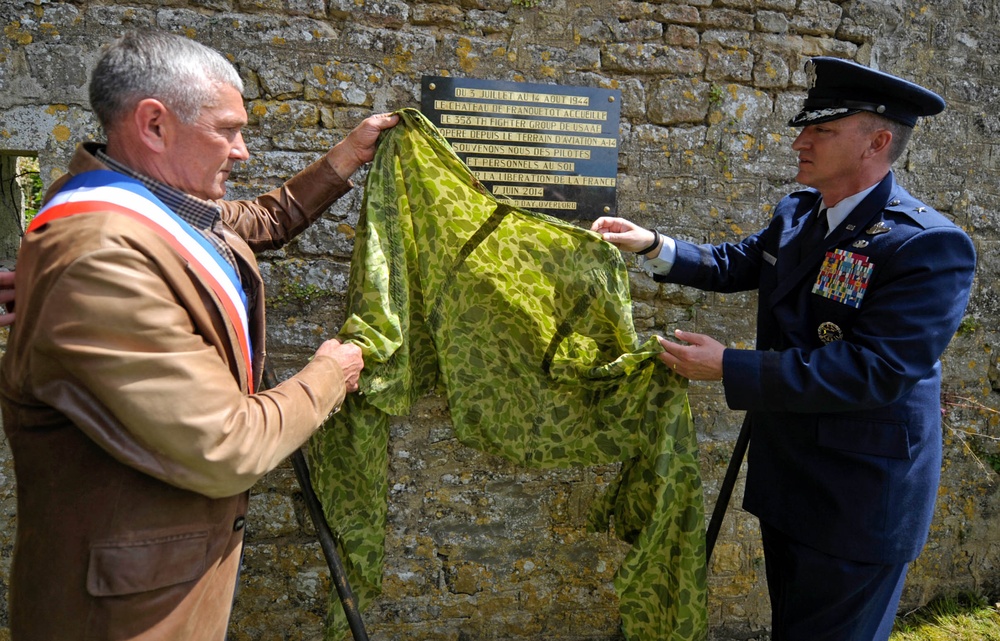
column 524, row 3
column 296, row 293
column 30, row 181
column 715, row 94
column 968, row 326
column 964, row 617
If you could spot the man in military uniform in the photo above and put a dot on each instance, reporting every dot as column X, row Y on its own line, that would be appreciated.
column 861, row 287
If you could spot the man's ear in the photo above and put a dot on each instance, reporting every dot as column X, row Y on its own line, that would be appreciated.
column 152, row 121
column 880, row 142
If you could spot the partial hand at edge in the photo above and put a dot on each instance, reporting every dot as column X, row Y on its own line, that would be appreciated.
column 7, row 297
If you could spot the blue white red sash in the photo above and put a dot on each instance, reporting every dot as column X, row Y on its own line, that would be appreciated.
column 104, row 190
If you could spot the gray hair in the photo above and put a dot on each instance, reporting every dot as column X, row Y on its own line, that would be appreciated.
column 901, row 133
column 181, row 73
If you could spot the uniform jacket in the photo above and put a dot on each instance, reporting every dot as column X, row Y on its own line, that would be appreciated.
column 845, row 448
column 134, row 438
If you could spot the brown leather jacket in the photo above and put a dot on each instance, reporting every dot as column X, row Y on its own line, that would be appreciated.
column 125, row 404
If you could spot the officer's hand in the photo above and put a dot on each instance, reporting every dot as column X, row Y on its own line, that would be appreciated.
column 699, row 360
column 623, row 234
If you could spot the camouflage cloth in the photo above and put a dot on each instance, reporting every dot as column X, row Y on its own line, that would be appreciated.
column 525, row 322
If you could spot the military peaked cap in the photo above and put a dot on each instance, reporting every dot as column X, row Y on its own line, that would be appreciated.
column 840, row 88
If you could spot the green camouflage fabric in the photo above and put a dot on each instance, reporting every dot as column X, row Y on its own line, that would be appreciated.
column 524, row 322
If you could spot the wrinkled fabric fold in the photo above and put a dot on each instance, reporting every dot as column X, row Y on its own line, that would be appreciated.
column 524, row 323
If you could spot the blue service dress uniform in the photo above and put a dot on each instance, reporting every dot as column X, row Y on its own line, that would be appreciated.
column 843, row 390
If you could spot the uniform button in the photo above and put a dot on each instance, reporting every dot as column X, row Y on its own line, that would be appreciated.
column 239, row 523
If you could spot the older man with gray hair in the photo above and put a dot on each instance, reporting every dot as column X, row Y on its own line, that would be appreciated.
column 129, row 387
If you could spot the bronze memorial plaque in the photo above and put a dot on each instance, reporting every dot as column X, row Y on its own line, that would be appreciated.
column 547, row 148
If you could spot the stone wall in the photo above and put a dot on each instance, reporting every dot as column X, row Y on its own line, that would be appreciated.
column 479, row 548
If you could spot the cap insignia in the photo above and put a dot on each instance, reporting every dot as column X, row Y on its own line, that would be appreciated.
column 810, row 74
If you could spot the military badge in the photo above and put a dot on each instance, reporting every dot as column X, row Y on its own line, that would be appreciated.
column 844, row 277
column 878, row 228
column 829, row 332
column 860, row 244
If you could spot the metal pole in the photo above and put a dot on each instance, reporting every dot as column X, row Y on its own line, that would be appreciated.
column 732, row 472
column 325, row 535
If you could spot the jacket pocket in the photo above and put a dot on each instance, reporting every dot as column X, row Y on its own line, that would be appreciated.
column 876, row 438
column 128, row 567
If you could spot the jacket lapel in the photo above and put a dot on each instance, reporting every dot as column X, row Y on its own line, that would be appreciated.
column 790, row 244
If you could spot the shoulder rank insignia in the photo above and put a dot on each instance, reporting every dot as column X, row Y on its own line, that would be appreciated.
column 844, row 277
column 829, row 332
column 878, row 228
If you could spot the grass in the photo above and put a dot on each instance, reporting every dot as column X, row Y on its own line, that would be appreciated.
column 964, row 617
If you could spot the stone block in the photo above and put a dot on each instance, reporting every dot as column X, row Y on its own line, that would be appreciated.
column 676, row 101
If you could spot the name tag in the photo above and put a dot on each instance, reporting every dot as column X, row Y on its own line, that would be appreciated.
column 844, row 277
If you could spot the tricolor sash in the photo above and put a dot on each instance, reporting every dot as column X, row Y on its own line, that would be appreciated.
column 104, row 190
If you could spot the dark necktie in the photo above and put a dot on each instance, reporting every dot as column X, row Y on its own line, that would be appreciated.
column 814, row 233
